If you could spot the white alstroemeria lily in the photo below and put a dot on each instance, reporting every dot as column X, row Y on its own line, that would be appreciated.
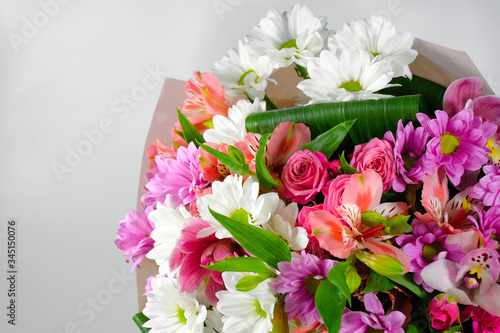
column 379, row 37
column 231, row 129
column 241, row 74
column 246, row 312
column 282, row 223
column 237, row 200
column 169, row 219
column 170, row 311
column 289, row 37
column 345, row 75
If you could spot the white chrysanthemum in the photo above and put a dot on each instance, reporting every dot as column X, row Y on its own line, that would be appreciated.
column 282, row 223
column 170, row 311
column 237, row 200
column 231, row 129
column 240, row 73
column 378, row 36
column 246, row 312
column 345, row 75
column 168, row 222
column 291, row 37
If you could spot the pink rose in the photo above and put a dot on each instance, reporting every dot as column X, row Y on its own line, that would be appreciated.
column 483, row 322
column 304, row 175
column 333, row 192
column 377, row 155
column 443, row 314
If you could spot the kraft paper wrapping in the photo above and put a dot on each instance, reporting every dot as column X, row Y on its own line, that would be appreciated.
column 434, row 62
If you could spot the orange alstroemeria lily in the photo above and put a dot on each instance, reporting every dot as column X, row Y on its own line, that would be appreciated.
column 347, row 234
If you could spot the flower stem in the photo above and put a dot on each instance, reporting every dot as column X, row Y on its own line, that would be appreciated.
column 301, row 71
column 269, row 104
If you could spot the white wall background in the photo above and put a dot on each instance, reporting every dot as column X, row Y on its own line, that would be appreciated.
column 63, row 68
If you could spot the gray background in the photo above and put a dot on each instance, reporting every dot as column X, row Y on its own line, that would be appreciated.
column 67, row 77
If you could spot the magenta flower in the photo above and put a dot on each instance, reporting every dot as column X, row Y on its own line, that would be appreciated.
column 425, row 244
column 488, row 187
column 458, row 143
column 179, row 177
column 358, row 321
column 471, row 282
column 193, row 252
column 442, row 312
column 299, row 279
column 409, row 146
column 304, row 175
column 133, row 237
column 483, row 322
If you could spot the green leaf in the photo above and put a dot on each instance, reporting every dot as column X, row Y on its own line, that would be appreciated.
column 250, row 282
column 377, row 283
column 235, row 154
column 398, row 225
column 233, row 163
column 280, row 318
column 412, row 329
column 375, row 117
column 345, row 167
column 190, row 133
column 352, row 278
column 328, row 142
column 453, row 329
column 240, row 264
column 263, row 175
column 407, row 282
column 337, row 276
column 432, row 92
column 261, row 243
column 140, row 319
column 330, row 303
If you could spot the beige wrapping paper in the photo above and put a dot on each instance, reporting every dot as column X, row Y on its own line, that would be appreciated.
column 434, row 62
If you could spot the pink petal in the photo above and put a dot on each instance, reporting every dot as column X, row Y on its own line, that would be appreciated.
column 364, row 190
column 436, row 186
column 488, row 108
column 441, row 274
column 287, row 139
column 459, row 92
column 373, row 304
column 327, row 228
column 490, row 300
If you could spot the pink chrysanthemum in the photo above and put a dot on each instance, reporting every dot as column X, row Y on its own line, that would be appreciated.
column 178, row 177
column 425, row 244
column 299, row 279
column 488, row 187
column 133, row 237
column 409, row 146
column 458, row 143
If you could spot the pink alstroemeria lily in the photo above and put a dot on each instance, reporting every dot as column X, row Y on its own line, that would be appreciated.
column 466, row 93
column 342, row 236
column 472, row 281
column 453, row 213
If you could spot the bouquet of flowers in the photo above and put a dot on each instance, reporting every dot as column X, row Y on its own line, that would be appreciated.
column 371, row 205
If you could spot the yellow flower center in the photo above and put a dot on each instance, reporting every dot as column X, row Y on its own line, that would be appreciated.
column 180, row 314
column 351, row 86
column 287, row 45
column 431, row 250
column 449, row 144
column 259, row 309
column 241, row 82
column 312, row 284
column 495, row 151
column 240, row 215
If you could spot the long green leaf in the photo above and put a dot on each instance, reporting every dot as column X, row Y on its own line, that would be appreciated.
column 377, row 283
column 432, row 92
column 259, row 242
column 240, row 264
column 328, row 142
column 330, row 303
column 263, row 175
column 232, row 163
column 337, row 276
column 375, row 117
column 407, row 282
column 140, row 319
column 190, row 133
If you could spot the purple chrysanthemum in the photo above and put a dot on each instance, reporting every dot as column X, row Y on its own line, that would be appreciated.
column 409, row 145
column 488, row 187
column 425, row 244
column 133, row 237
column 458, row 143
column 178, row 177
column 299, row 279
